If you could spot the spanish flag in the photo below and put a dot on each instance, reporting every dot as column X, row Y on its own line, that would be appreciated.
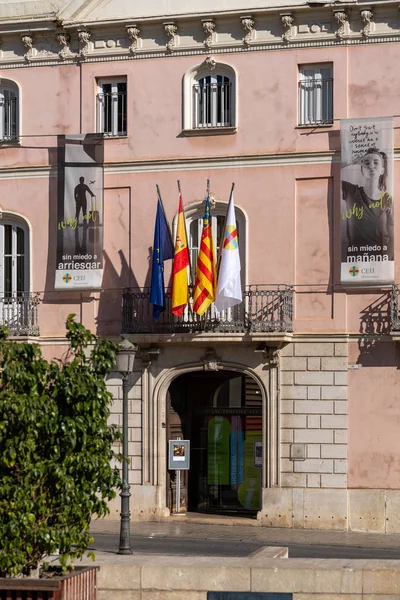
column 206, row 280
column 180, row 287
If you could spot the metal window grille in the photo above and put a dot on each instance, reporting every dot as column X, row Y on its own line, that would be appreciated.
column 212, row 102
column 8, row 120
column 316, row 100
column 111, row 113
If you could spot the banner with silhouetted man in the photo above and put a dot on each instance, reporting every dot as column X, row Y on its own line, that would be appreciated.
column 367, row 201
column 80, row 214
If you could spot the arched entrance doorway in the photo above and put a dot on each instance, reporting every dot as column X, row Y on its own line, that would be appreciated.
column 221, row 414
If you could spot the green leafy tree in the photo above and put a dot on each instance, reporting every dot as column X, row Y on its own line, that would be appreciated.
column 56, row 455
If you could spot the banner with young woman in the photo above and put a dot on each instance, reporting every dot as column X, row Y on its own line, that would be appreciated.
column 367, row 201
column 80, row 212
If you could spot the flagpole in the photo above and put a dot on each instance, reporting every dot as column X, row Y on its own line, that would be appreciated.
column 187, row 239
column 162, row 206
column 223, row 229
column 190, row 307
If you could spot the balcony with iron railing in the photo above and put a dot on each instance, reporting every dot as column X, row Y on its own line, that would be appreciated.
column 395, row 310
column 264, row 309
column 19, row 313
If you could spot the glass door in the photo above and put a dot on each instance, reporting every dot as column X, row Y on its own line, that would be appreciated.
column 227, row 449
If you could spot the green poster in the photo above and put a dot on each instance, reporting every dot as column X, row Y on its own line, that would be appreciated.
column 249, row 490
column 219, row 430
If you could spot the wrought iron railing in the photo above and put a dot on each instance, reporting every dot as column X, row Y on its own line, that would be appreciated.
column 263, row 309
column 394, row 309
column 19, row 313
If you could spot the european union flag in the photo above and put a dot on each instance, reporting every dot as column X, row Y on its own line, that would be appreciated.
column 162, row 250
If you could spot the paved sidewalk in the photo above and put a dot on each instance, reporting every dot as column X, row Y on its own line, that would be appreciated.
column 195, row 529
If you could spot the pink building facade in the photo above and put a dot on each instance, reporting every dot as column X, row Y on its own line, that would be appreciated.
column 291, row 401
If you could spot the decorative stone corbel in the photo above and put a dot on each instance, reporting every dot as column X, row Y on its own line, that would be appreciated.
column 171, row 30
column 248, row 27
column 84, row 39
column 272, row 358
column 287, row 20
column 28, row 42
column 211, row 360
column 210, row 62
column 270, row 355
column 133, row 33
column 341, row 20
column 63, row 40
column 208, row 28
column 147, row 355
column 366, row 15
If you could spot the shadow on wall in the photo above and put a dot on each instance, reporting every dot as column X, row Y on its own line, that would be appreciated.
column 375, row 322
column 109, row 316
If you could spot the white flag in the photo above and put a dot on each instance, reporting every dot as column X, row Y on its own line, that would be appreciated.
column 229, row 289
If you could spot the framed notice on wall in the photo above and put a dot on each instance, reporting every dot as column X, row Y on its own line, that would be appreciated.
column 178, row 455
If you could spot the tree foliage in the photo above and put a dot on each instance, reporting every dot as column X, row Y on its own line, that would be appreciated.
column 56, row 456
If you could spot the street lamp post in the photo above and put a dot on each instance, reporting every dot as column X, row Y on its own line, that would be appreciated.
column 125, row 362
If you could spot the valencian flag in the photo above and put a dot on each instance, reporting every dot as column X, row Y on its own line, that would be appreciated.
column 180, row 287
column 162, row 250
column 229, row 291
column 204, row 288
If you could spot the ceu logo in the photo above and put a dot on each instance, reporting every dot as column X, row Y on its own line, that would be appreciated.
column 67, row 278
column 354, row 271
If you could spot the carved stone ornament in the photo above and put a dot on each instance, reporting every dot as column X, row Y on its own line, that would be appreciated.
column 208, row 28
column 211, row 360
column 210, row 62
column 63, row 40
column 145, row 358
column 84, row 39
column 248, row 27
column 171, row 30
column 273, row 357
column 366, row 17
column 287, row 23
column 341, row 19
column 28, row 41
column 133, row 34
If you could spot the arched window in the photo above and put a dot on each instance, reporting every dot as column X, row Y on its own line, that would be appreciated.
column 9, row 111
column 210, row 97
column 194, row 217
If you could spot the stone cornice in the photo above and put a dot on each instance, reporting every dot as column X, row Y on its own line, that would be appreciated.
column 275, row 28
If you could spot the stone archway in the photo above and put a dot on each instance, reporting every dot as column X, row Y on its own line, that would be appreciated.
column 159, row 401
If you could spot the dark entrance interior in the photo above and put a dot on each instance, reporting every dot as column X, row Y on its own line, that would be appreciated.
column 221, row 414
